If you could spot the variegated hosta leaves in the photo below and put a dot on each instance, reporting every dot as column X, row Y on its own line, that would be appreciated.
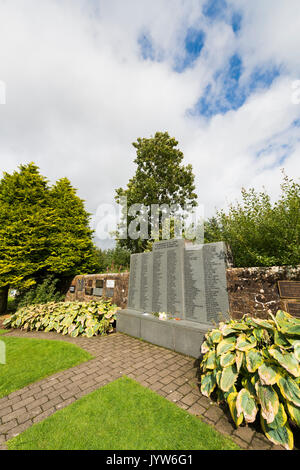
column 254, row 365
column 227, row 344
column 231, row 400
column 268, row 400
column 289, row 389
column 246, row 406
column 279, row 431
column 286, row 360
column 268, row 374
column 254, row 360
column 67, row 318
column 208, row 384
column 244, row 342
column 228, row 377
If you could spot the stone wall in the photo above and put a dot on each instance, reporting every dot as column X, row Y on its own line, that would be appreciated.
column 85, row 284
column 250, row 290
column 255, row 290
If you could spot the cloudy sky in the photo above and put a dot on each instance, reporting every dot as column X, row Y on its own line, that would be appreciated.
column 85, row 78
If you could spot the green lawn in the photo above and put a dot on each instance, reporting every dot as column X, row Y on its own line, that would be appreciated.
column 123, row 415
column 2, row 332
column 29, row 360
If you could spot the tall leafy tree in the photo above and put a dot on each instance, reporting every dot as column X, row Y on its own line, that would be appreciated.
column 43, row 230
column 161, row 178
column 261, row 232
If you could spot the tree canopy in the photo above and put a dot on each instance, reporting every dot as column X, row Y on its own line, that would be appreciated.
column 160, row 178
column 260, row 232
column 43, row 229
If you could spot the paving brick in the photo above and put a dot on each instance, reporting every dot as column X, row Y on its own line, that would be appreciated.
column 245, row 433
column 169, row 374
column 5, row 411
column 214, row 413
column 189, row 399
column 196, row 409
column 174, row 396
column 166, row 380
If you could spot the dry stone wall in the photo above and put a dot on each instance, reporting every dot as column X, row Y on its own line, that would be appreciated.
column 250, row 290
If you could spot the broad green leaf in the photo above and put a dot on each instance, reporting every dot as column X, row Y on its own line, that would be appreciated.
column 269, row 324
column 216, row 336
column 228, row 378
column 297, row 351
column 268, row 374
column 244, row 343
column 294, row 412
column 227, row 330
column 289, row 389
column 254, row 360
column 227, row 344
column 248, row 385
column 239, row 359
column 286, row 360
column 281, row 436
column 291, row 329
column 231, row 400
column 208, row 384
column 227, row 359
column 245, row 405
column 259, row 334
column 280, row 419
column 211, row 360
column 239, row 326
column 269, row 401
column 75, row 333
column 205, row 348
column 280, row 339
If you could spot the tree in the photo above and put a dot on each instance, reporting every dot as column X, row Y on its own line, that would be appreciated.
column 259, row 232
column 43, row 230
column 160, row 179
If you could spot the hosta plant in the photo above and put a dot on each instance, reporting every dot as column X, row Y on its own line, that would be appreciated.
column 68, row 318
column 254, row 366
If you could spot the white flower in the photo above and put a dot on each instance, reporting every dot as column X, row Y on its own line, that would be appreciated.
column 163, row 316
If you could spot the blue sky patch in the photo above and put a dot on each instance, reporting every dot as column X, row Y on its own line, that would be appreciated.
column 236, row 22
column 193, row 45
column 146, row 47
column 214, row 9
column 226, row 93
column 263, row 77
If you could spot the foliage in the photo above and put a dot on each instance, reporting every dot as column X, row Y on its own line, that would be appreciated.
column 254, row 366
column 39, row 294
column 160, row 179
column 113, row 260
column 43, row 230
column 259, row 232
column 68, row 318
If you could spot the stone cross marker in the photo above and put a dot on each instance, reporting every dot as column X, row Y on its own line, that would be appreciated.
column 185, row 280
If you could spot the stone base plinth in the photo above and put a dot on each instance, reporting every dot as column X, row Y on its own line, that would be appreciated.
column 182, row 336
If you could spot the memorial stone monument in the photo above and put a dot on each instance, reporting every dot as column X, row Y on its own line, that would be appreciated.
column 184, row 280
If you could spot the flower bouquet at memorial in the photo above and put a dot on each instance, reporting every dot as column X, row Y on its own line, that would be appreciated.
column 253, row 366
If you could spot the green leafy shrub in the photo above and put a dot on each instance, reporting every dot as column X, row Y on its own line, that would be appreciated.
column 260, row 232
column 40, row 294
column 68, row 318
column 254, row 366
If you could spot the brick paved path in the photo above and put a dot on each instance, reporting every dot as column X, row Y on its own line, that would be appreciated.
column 167, row 373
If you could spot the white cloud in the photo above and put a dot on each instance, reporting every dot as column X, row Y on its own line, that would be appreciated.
column 79, row 93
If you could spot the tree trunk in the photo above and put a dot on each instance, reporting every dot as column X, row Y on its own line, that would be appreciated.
column 3, row 299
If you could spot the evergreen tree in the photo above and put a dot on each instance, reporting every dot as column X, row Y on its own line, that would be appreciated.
column 43, row 231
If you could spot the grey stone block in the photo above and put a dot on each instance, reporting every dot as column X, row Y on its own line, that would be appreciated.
column 183, row 336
